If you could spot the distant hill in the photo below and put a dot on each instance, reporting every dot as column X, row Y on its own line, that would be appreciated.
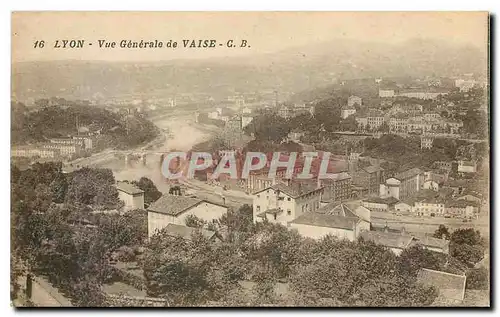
column 29, row 127
column 290, row 70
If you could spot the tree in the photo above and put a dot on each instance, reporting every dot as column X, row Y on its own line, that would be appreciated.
column 467, row 254
column 178, row 269
column 194, row 222
column 442, row 233
column 151, row 193
column 416, row 257
column 478, row 278
column 467, row 236
column 93, row 186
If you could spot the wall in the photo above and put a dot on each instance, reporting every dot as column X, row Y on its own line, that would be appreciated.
column 43, row 294
column 317, row 233
column 131, row 201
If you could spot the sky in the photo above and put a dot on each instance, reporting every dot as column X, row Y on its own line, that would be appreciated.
column 265, row 32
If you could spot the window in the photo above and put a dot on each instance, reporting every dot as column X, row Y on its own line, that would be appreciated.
column 258, row 196
column 258, row 208
column 289, row 199
column 288, row 212
column 275, row 215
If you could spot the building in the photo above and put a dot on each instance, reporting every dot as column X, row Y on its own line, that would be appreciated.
column 403, row 185
column 340, row 220
column 65, row 150
column 352, row 100
column 461, row 209
column 285, row 112
column 347, row 111
column 282, row 203
column 465, row 85
column 470, row 195
column 379, row 204
column 404, row 206
column 432, row 244
column 34, row 151
column 246, row 120
column 443, row 165
column 450, row 286
column 175, row 209
column 430, row 184
column 418, row 94
column 430, row 207
column 187, row 233
column 369, row 177
column 375, row 119
column 467, row 167
column 337, row 188
column 426, row 142
column 396, row 242
column 386, row 93
column 398, row 123
column 132, row 196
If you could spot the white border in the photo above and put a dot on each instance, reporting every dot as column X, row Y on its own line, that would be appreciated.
column 189, row 5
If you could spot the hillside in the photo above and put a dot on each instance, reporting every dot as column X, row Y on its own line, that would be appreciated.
column 290, row 70
column 60, row 121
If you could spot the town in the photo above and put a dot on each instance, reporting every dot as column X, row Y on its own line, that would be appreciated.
column 339, row 173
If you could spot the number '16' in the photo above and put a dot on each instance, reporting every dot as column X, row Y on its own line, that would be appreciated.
column 39, row 44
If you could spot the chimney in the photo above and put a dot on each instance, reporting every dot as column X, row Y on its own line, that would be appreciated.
column 403, row 231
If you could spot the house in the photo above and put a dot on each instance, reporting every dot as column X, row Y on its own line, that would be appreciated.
column 186, row 232
column 175, row 209
column 343, row 221
column 431, row 243
column 282, row 203
column 347, row 111
column 461, row 208
column 396, row 242
column 459, row 186
column 430, row 207
column 132, row 196
column 449, row 286
column 380, row 204
column 403, row 207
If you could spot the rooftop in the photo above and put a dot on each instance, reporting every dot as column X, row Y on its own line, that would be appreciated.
column 450, row 286
column 388, row 200
column 186, row 232
column 128, row 188
column 174, row 205
column 408, row 173
column 388, row 239
column 294, row 189
column 326, row 220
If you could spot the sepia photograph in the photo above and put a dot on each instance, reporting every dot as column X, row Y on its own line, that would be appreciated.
column 250, row 159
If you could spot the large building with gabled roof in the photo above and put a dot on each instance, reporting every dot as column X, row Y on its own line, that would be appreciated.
column 173, row 209
column 344, row 221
